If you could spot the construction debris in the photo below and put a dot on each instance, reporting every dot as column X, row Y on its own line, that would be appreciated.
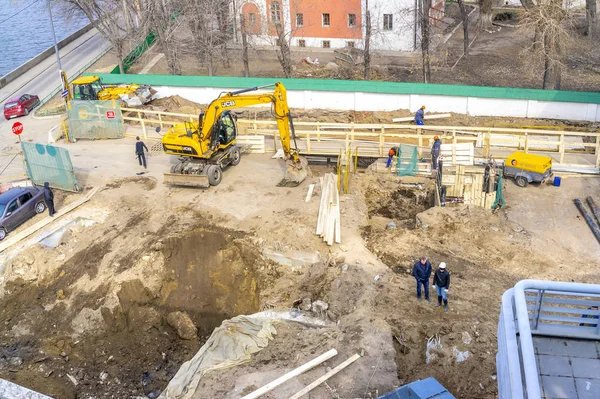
column 328, row 223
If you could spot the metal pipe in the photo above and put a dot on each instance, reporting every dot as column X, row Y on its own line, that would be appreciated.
column 588, row 218
column 54, row 36
column 594, row 208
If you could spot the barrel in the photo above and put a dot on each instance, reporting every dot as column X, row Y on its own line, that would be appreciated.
column 557, row 181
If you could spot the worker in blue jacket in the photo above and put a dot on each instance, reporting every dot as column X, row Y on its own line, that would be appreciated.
column 422, row 272
column 391, row 154
column 420, row 115
column 435, row 152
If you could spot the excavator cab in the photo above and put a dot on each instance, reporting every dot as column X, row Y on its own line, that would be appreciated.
column 87, row 88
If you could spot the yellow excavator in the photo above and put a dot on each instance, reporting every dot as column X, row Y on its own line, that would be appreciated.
column 92, row 88
column 206, row 147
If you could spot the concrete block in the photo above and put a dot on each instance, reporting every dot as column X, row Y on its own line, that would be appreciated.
column 550, row 346
column 558, row 388
column 587, row 388
column 585, row 368
column 555, row 366
column 585, row 349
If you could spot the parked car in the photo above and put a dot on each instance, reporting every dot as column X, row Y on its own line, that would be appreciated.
column 527, row 168
column 18, row 205
column 19, row 106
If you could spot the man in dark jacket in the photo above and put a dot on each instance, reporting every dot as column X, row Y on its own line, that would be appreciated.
column 419, row 116
column 422, row 272
column 139, row 150
column 435, row 152
column 441, row 282
column 49, row 198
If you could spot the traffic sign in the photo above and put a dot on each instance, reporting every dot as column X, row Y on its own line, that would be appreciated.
column 110, row 114
column 17, row 128
column 64, row 93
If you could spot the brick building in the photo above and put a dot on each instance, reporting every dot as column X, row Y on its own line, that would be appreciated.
column 337, row 23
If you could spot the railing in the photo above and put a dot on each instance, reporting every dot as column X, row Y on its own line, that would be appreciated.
column 544, row 308
column 322, row 138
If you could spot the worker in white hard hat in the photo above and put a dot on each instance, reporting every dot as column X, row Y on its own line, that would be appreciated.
column 441, row 283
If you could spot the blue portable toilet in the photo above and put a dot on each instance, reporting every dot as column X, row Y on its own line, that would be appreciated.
column 428, row 388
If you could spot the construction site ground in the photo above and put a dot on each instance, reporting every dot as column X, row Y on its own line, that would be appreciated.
column 87, row 318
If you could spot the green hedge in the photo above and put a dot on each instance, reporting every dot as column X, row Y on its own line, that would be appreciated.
column 359, row 86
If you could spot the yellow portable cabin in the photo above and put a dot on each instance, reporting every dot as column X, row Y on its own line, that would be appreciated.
column 527, row 168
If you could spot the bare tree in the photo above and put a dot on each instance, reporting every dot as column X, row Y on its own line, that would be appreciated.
column 591, row 26
column 425, row 40
column 283, row 52
column 161, row 13
column 465, row 21
column 108, row 21
column 553, row 27
column 485, row 13
column 367, row 49
column 245, row 58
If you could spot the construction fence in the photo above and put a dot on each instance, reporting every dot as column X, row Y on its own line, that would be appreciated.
column 47, row 163
column 94, row 120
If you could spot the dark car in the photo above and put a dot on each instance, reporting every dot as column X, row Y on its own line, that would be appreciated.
column 18, row 205
column 19, row 106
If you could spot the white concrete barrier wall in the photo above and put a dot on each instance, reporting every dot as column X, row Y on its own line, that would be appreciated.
column 359, row 101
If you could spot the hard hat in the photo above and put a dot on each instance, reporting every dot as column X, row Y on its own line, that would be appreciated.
column 422, row 107
column 436, row 137
column 443, row 265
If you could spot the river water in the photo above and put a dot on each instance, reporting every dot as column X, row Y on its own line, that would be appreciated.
column 25, row 35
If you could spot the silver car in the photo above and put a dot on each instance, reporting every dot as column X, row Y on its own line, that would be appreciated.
column 18, row 205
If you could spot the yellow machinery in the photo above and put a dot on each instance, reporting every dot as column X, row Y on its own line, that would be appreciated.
column 209, row 145
column 91, row 88
column 527, row 168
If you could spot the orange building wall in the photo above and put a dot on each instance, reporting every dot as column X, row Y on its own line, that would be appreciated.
column 338, row 10
column 248, row 8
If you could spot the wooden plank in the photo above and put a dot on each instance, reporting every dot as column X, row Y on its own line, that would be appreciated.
column 325, row 377
column 47, row 220
column 309, row 193
column 429, row 116
column 294, row 373
column 321, row 220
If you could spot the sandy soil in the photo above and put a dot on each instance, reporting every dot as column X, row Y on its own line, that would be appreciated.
column 94, row 307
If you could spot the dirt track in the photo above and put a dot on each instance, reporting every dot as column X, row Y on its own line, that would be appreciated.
column 95, row 306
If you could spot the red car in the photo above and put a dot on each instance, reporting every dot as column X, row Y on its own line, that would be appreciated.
column 19, row 106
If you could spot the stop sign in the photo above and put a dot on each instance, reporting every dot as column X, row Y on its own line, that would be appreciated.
column 17, row 128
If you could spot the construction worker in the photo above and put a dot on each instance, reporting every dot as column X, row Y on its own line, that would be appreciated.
column 435, row 152
column 391, row 154
column 49, row 199
column 441, row 283
column 422, row 272
column 139, row 151
column 420, row 115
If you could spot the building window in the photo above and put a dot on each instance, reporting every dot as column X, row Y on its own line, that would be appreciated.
column 301, row 43
column 326, row 44
column 326, row 21
column 351, row 20
column 275, row 12
column 350, row 44
column 388, row 23
column 299, row 20
column 251, row 19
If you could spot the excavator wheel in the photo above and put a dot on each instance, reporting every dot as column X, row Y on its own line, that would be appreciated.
column 236, row 156
column 295, row 172
column 215, row 174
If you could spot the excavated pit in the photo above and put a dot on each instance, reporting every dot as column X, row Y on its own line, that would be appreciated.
column 115, row 340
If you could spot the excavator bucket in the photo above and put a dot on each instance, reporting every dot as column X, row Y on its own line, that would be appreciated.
column 179, row 179
column 295, row 172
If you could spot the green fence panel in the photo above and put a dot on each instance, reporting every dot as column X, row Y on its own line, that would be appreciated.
column 358, row 86
column 136, row 53
column 48, row 163
column 407, row 160
column 95, row 120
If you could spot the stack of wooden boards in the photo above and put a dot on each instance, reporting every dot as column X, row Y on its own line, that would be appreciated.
column 328, row 223
column 467, row 182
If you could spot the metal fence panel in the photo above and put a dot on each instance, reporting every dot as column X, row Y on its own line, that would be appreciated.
column 95, row 120
column 47, row 163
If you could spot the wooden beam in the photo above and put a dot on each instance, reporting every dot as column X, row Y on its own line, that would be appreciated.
column 309, row 193
column 294, row 373
column 324, row 378
column 47, row 220
column 432, row 116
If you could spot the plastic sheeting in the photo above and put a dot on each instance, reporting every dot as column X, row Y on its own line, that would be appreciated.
column 229, row 345
column 47, row 163
column 407, row 160
column 95, row 120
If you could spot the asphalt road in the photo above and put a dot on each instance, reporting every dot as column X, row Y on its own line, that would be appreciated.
column 44, row 78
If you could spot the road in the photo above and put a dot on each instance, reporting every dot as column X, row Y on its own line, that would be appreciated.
column 42, row 80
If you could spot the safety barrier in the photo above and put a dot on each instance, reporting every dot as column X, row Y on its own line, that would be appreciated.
column 542, row 308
